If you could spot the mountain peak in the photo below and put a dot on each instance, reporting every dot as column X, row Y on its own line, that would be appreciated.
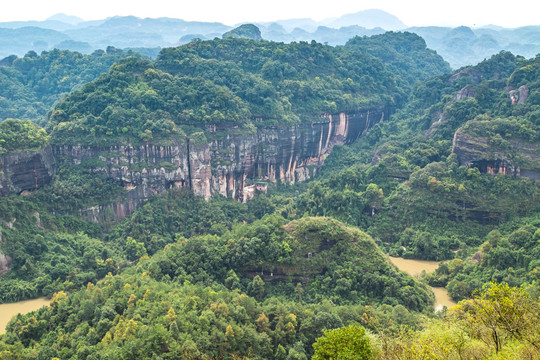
column 369, row 19
column 248, row 31
column 68, row 19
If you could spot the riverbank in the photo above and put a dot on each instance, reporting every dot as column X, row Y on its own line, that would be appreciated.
column 415, row 268
column 7, row 311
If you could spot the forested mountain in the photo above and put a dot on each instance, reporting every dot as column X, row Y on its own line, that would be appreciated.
column 453, row 169
column 452, row 174
column 213, row 82
column 33, row 83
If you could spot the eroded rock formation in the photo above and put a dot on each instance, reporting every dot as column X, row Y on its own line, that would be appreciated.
column 520, row 95
column 5, row 264
column 231, row 162
column 26, row 170
column 521, row 159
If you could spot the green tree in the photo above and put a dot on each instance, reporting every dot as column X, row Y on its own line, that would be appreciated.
column 344, row 343
column 499, row 312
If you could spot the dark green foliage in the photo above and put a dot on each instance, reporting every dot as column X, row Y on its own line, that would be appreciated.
column 217, row 82
column 404, row 53
column 187, row 264
column 50, row 252
column 321, row 257
column 512, row 259
column 429, row 204
column 74, row 188
column 32, row 84
column 43, row 263
column 179, row 213
column 133, row 315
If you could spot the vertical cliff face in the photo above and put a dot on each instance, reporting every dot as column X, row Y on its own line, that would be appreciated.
column 26, row 170
column 518, row 158
column 231, row 162
column 230, row 166
column 143, row 171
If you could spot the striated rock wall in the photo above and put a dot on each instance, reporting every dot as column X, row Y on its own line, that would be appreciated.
column 232, row 162
column 26, row 170
column 143, row 171
column 285, row 154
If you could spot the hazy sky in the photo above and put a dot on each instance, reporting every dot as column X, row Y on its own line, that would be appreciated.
column 411, row 12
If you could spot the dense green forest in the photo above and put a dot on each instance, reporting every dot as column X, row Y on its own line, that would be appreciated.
column 405, row 172
column 238, row 81
column 31, row 85
column 302, row 271
column 16, row 135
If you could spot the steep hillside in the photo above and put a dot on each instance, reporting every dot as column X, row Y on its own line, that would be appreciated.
column 423, row 182
column 212, row 117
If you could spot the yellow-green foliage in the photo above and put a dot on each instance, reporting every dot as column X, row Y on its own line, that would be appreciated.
column 500, row 322
column 18, row 135
column 344, row 343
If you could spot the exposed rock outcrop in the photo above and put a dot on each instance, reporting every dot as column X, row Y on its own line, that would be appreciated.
column 521, row 159
column 520, row 95
column 473, row 74
column 465, row 93
column 5, row 260
column 229, row 164
column 5, row 264
column 26, row 170
column 143, row 171
column 232, row 162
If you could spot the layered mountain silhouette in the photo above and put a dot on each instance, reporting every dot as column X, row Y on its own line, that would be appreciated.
column 459, row 46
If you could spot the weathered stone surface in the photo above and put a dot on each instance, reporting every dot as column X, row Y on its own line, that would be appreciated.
column 25, row 171
column 143, row 171
column 473, row 74
column 229, row 164
column 465, row 93
column 5, row 264
column 476, row 152
column 520, row 95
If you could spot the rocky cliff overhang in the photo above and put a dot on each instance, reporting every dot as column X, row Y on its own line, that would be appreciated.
column 26, row 170
column 521, row 158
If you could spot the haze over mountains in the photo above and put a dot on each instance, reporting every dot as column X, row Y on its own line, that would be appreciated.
column 459, row 46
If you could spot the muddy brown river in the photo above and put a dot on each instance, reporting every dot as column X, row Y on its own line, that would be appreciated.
column 415, row 268
column 7, row 311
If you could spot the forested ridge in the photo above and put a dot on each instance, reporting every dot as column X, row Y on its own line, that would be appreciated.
column 301, row 271
column 32, row 84
column 236, row 81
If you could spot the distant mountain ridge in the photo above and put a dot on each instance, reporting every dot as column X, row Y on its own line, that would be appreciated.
column 369, row 19
column 460, row 46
